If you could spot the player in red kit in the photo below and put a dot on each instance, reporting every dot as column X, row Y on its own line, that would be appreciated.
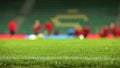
column 86, row 30
column 78, row 32
column 115, row 30
column 104, row 32
column 12, row 27
column 49, row 27
column 37, row 27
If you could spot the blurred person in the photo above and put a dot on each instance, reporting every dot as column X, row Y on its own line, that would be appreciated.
column 57, row 32
column 78, row 32
column 104, row 32
column 12, row 27
column 49, row 27
column 86, row 30
column 71, row 31
column 37, row 27
column 114, row 29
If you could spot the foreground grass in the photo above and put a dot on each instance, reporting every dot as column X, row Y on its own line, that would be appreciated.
column 60, row 53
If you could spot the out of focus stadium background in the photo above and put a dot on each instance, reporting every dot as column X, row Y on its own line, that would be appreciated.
column 62, row 53
column 63, row 13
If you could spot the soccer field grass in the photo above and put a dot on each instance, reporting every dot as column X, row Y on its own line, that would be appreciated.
column 49, row 53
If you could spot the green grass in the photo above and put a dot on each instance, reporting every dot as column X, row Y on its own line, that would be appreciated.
column 50, row 53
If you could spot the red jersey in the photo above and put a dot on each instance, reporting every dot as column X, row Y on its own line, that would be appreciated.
column 49, row 26
column 86, row 30
column 116, row 31
column 78, row 32
column 104, row 31
column 37, row 27
column 12, row 25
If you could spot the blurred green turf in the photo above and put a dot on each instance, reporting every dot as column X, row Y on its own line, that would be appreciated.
column 41, row 52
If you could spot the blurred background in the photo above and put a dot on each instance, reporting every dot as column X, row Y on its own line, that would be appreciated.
column 64, row 14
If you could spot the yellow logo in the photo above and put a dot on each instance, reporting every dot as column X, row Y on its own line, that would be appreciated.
column 58, row 23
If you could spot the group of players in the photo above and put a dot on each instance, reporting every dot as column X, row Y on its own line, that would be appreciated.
column 36, row 27
column 104, row 31
column 112, row 29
